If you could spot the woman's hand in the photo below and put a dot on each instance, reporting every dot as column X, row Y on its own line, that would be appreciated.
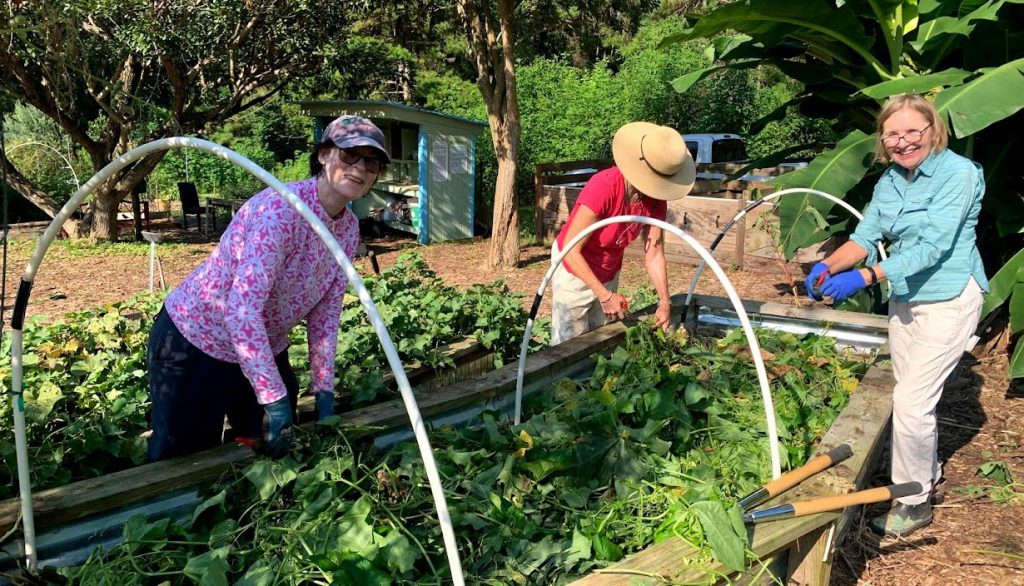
column 819, row 275
column 614, row 306
column 840, row 287
column 662, row 315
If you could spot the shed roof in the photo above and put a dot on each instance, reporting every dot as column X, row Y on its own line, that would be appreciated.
column 390, row 110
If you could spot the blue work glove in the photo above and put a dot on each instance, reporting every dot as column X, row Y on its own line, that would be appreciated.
column 811, row 281
column 840, row 287
column 278, row 441
column 324, row 405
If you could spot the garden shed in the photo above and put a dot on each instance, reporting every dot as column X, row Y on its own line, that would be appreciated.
column 429, row 188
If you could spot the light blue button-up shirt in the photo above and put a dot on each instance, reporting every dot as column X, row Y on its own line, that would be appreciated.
column 930, row 222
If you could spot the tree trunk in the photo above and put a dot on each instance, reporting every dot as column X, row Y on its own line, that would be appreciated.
column 109, row 195
column 504, row 251
column 104, row 215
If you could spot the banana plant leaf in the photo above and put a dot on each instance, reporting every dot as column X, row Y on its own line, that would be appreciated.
column 931, row 32
column 1008, row 283
column 997, row 94
column 683, row 83
column 919, row 84
column 802, row 217
column 1001, row 286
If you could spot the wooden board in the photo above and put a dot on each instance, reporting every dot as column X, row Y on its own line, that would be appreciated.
column 701, row 216
column 80, row 499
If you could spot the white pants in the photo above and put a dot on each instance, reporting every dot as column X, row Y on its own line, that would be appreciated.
column 927, row 340
column 574, row 307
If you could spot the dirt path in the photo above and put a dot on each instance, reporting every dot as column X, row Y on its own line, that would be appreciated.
column 973, row 540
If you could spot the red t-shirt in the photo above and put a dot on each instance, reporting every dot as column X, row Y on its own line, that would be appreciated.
column 605, row 195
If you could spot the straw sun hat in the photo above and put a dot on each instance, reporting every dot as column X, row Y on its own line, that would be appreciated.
column 654, row 159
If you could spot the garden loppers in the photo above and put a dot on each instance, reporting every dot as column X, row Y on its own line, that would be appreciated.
column 831, row 503
column 795, row 476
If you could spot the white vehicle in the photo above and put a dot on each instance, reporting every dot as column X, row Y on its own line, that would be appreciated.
column 716, row 148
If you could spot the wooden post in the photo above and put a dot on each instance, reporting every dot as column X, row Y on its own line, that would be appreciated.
column 538, row 208
column 741, row 228
column 810, row 557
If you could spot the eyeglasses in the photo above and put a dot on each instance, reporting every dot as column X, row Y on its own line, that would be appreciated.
column 351, row 157
column 633, row 229
column 892, row 139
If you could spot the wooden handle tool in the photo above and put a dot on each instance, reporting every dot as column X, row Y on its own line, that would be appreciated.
column 831, row 503
column 795, row 476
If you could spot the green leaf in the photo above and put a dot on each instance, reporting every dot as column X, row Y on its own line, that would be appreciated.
column 538, row 554
column 997, row 471
column 350, row 568
column 258, row 574
column 1017, row 305
column 919, row 84
column 40, row 403
column 139, row 529
column 1017, row 362
column 835, row 172
column 268, row 475
column 353, row 532
column 836, row 31
column 605, row 549
column 400, row 553
column 727, row 544
column 214, row 501
column 695, row 393
column 1002, row 285
column 580, row 548
column 210, row 568
column 931, row 32
column 549, row 463
column 997, row 94
column 683, row 83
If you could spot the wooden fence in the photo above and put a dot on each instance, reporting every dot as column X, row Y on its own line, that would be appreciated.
column 703, row 214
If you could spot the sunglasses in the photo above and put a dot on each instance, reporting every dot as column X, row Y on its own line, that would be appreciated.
column 351, row 157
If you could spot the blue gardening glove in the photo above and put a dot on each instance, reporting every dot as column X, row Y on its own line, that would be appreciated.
column 811, row 282
column 840, row 287
column 278, row 441
column 324, row 405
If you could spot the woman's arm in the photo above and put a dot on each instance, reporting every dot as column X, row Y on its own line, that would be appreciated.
column 611, row 302
column 261, row 258
column 322, row 321
column 845, row 257
column 654, row 259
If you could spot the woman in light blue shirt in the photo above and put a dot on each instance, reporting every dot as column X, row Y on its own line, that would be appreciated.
column 926, row 207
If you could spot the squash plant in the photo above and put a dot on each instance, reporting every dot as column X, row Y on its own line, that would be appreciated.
column 86, row 387
column 657, row 443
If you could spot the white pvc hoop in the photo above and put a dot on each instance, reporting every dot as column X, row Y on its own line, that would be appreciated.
column 755, row 348
column 415, row 418
column 769, row 197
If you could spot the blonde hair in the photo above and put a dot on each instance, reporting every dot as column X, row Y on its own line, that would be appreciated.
column 922, row 105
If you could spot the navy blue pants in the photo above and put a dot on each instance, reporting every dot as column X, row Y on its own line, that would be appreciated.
column 191, row 392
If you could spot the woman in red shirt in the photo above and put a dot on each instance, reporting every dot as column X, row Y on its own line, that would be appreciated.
column 652, row 167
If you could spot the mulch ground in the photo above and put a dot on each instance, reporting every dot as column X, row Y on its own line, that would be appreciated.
column 973, row 540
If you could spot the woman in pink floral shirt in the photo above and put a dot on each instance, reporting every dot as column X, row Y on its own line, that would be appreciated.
column 220, row 345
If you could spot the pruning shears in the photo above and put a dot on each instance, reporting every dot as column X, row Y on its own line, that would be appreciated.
column 820, row 281
column 820, row 505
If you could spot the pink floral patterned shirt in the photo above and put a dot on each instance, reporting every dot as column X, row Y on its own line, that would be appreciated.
column 269, row 272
